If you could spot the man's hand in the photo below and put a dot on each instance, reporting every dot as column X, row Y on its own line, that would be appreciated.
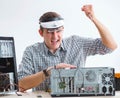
column 88, row 9
column 63, row 65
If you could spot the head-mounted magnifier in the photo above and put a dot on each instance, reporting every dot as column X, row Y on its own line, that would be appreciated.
column 53, row 23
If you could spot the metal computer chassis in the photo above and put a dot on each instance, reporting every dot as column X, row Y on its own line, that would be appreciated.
column 92, row 81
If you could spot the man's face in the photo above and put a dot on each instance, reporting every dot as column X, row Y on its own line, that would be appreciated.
column 53, row 38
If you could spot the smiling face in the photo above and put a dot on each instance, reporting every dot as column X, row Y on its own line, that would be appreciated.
column 52, row 38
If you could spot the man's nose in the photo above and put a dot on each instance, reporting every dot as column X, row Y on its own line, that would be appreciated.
column 54, row 33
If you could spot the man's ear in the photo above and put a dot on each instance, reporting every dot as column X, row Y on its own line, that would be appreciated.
column 40, row 32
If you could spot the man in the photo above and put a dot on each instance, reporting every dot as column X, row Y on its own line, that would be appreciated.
column 55, row 52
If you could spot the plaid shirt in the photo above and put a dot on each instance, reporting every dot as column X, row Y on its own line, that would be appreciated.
column 73, row 50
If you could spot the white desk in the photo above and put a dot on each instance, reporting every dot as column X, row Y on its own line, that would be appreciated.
column 47, row 95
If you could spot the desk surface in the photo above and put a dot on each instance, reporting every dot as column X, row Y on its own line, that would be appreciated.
column 47, row 95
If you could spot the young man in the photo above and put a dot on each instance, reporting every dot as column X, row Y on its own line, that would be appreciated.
column 55, row 52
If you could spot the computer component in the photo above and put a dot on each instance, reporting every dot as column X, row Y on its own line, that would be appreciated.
column 117, row 81
column 92, row 81
column 8, row 68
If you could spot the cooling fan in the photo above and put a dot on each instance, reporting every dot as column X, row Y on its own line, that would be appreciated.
column 107, row 78
column 91, row 76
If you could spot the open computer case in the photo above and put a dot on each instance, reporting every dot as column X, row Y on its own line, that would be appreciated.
column 8, row 68
column 88, row 81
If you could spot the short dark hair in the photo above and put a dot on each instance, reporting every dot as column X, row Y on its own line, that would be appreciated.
column 48, row 16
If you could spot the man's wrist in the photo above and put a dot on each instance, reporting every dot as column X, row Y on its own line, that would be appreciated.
column 45, row 72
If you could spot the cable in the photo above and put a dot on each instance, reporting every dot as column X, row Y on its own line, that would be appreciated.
column 82, row 75
column 7, row 84
column 62, row 83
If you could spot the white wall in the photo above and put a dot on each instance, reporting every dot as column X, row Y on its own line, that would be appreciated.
column 19, row 18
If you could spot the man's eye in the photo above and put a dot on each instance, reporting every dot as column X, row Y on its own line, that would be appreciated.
column 59, row 30
column 50, row 31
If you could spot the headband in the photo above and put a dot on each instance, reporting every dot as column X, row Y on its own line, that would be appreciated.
column 52, row 24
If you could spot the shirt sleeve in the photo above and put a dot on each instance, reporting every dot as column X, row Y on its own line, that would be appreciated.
column 26, row 66
column 95, row 46
column 91, row 46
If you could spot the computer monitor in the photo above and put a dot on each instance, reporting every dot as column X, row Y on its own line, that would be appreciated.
column 8, row 67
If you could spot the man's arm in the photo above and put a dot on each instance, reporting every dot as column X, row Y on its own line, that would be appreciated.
column 105, row 34
column 34, row 80
column 31, row 81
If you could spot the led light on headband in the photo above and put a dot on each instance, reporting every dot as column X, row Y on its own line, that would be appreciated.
column 52, row 24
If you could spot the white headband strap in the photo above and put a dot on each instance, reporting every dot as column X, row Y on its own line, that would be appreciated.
column 52, row 24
